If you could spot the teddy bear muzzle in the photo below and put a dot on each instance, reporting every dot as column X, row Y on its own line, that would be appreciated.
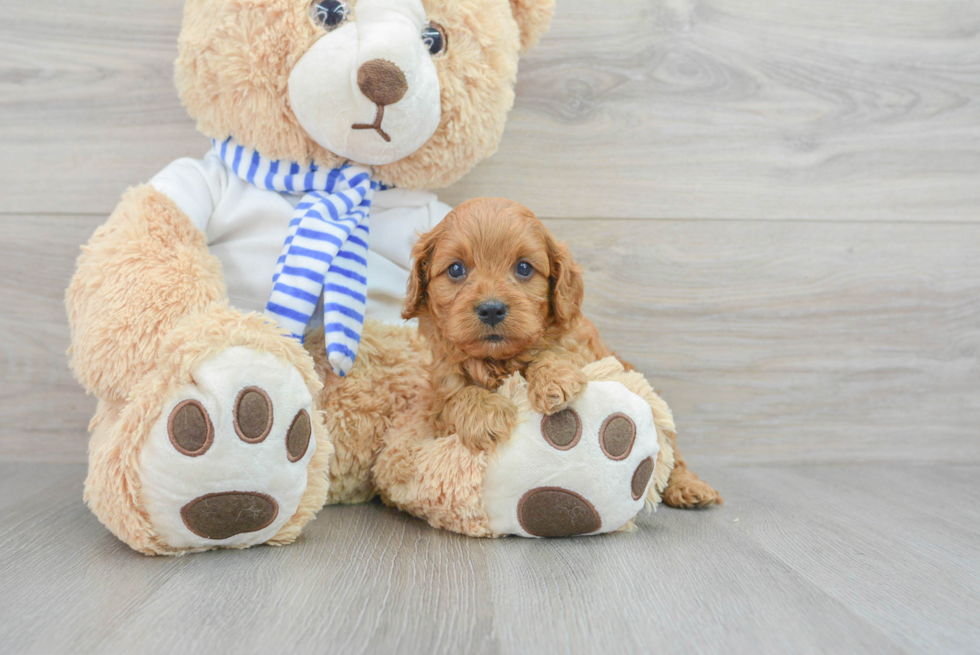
column 394, row 108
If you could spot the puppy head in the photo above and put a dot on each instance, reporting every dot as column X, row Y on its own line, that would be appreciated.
column 491, row 278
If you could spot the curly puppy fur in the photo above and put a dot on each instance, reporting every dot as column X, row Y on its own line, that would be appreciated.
column 493, row 250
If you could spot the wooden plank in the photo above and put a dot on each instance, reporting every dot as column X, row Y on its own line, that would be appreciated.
column 44, row 412
column 910, row 569
column 87, row 104
column 24, row 479
column 368, row 579
column 663, row 108
column 57, row 555
column 684, row 582
column 773, row 341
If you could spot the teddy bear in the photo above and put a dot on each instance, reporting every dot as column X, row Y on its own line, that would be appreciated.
column 218, row 314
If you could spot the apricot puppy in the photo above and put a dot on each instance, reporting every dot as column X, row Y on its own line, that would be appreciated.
column 494, row 294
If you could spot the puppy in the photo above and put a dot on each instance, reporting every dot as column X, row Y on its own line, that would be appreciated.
column 495, row 294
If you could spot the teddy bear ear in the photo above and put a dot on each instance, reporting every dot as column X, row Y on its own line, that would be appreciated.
column 533, row 18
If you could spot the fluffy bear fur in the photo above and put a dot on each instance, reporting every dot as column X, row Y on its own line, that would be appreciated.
column 148, row 302
column 236, row 58
column 134, row 281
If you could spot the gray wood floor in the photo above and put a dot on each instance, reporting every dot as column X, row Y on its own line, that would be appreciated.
column 777, row 204
column 866, row 558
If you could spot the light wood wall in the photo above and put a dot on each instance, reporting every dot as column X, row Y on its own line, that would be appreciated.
column 777, row 204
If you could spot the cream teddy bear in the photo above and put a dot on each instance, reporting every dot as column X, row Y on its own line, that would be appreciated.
column 329, row 121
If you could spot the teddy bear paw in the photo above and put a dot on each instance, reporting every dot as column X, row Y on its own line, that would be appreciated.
column 583, row 470
column 226, row 464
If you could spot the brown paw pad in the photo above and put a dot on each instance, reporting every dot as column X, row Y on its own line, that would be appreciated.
column 190, row 428
column 641, row 478
column 562, row 429
column 616, row 436
column 222, row 515
column 253, row 415
column 556, row 512
column 298, row 437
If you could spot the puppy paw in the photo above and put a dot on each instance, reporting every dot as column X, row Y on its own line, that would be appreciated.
column 487, row 423
column 226, row 464
column 552, row 388
column 686, row 491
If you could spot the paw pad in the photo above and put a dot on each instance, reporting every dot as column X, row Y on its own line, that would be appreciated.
column 641, row 478
column 616, row 436
column 563, row 429
column 223, row 515
column 253, row 415
column 298, row 437
column 556, row 512
column 190, row 429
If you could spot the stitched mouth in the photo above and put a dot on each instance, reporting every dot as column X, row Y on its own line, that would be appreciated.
column 376, row 125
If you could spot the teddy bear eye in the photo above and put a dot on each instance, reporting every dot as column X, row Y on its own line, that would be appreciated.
column 329, row 14
column 456, row 270
column 434, row 38
column 524, row 270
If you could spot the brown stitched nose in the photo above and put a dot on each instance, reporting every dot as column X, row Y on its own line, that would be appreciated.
column 382, row 82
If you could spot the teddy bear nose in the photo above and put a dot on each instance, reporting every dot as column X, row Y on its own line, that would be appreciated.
column 492, row 312
column 382, row 81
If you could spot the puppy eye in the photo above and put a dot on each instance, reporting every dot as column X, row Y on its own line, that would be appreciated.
column 329, row 14
column 434, row 38
column 524, row 270
column 456, row 270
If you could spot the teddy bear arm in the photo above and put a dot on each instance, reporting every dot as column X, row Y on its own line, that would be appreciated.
column 141, row 272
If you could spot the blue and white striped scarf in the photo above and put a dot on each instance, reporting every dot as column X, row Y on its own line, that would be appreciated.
column 325, row 251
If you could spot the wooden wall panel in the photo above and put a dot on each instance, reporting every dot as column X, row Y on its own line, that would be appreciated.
column 836, row 110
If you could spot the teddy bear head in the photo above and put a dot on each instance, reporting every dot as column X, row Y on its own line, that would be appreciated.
column 417, row 89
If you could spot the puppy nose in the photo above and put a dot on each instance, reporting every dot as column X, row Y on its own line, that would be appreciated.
column 492, row 312
column 382, row 81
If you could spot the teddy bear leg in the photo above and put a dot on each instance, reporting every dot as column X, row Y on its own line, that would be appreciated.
column 142, row 272
column 219, row 445
column 378, row 420
column 387, row 381
column 588, row 469
column 439, row 480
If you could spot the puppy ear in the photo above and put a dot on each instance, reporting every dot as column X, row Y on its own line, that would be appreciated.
column 533, row 18
column 567, row 285
column 418, row 277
